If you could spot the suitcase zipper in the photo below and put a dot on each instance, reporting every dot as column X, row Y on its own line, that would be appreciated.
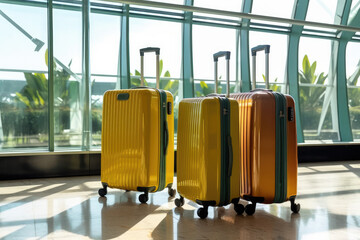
column 280, row 149
column 163, row 136
column 225, row 151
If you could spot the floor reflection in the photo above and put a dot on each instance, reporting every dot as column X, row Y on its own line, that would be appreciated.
column 70, row 208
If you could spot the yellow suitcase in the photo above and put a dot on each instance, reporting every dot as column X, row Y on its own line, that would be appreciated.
column 138, row 139
column 208, row 167
column 268, row 145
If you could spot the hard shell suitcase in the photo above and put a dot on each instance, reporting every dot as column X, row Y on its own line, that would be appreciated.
column 268, row 144
column 138, row 138
column 208, row 167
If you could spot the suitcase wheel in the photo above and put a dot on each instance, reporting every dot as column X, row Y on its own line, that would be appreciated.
column 171, row 192
column 295, row 207
column 179, row 202
column 239, row 208
column 143, row 198
column 102, row 192
column 250, row 209
column 202, row 212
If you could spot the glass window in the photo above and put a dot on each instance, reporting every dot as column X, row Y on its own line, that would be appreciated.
column 277, row 59
column 322, row 11
column 275, row 8
column 216, row 39
column 104, row 57
column 68, row 78
column 314, row 85
column 352, row 75
column 227, row 5
column 165, row 35
column 23, row 77
column 355, row 6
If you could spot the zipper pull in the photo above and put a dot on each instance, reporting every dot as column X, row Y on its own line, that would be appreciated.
column 225, row 111
column 281, row 114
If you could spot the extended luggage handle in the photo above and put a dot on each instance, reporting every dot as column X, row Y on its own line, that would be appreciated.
column 254, row 50
column 216, row 56
column 157, row 53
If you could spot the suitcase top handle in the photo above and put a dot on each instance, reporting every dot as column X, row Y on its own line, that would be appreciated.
column 258, row 48
column 221, row 54
column 216, row 56
column 150, row 49
column 254, row 50
column 157, row 53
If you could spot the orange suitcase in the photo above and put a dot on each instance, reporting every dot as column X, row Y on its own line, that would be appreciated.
column 268, row 144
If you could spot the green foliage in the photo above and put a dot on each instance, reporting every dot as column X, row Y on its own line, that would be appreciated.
column 310, row 96
column 166, row 84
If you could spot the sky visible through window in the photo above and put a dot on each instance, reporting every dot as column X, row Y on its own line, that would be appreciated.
column 17, row 51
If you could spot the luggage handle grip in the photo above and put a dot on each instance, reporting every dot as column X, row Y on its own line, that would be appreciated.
column 216, row 56
column 230, row 156
column 225, row 54
column 157, row 53
column 259, row 48
column 166, row 137
column 150, row 49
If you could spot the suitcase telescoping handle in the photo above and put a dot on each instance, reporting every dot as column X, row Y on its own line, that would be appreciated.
column 217, row 55
column 254, row 50
column 157, row 53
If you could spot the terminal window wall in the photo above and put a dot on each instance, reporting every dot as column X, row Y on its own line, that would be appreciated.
column 352, row 76
column 277, row 59
column 216, row 39
column 314, row 88
column 23, row 44
column 67, row 25
column 104, row 60
column 165, row 35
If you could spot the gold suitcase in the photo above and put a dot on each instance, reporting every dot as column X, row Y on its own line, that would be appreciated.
column 138, row 139
column 208, row 167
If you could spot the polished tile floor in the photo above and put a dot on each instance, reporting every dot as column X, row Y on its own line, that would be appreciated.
column 69, row 208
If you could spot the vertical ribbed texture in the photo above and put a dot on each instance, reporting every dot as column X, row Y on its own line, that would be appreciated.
column 245, row 121
column 128, row 142
column 190, row 154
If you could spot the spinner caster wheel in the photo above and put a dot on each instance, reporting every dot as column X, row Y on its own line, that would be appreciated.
column 102, row 192
column 239, row 208
column 179, row 202
column 202, row 213
column 250, row 209
column 171, row 192
column 143, row 198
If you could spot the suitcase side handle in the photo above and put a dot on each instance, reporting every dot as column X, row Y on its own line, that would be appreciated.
column 157, row 53
column 254, row 50
column 166, row 137
column 230, row 156
column 216, row 56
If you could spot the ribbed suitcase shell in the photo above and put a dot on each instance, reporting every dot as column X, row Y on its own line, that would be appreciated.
column 257, row 145
column 131, row 139
column 199, row 149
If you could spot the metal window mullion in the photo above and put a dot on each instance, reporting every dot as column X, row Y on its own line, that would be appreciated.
column 124, row 81
column 86, row 83
column 299, row 13
column 51, row 79
column 244, row 48
column 188, row 86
